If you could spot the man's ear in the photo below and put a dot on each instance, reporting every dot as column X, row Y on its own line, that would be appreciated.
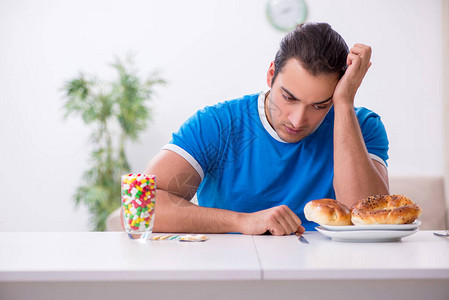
column 270, row 74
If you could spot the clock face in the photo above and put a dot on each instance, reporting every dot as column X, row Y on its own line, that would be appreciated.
column 286, row 14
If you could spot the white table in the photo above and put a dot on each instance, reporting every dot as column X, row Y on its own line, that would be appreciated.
column 108, row 265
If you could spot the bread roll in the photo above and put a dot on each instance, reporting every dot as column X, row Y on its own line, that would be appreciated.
column 327, row 212
column 385, row 209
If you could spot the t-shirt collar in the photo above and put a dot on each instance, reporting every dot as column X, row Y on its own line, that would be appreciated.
column 264, row 119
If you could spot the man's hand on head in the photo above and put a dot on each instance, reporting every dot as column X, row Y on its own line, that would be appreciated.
column 279, row 220
column 358, row 62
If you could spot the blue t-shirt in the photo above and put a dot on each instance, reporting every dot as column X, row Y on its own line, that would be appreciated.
column 246, row 167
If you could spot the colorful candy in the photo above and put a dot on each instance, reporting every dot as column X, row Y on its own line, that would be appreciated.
column 181, row 238
column 138, row 199
column 193, row 238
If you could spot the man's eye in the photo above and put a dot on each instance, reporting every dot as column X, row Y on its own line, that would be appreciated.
column 320, row 106
column 287, row 98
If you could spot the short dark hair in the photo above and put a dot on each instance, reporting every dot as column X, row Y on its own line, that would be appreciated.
column 317, row 47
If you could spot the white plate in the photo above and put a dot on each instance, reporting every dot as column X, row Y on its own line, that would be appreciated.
column 410, row 226
column 366, row 236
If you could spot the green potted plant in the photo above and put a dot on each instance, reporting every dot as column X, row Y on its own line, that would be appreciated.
column 118, row 112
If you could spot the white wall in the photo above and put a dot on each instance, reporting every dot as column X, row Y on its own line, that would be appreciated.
column 209, row 51
column 445, row 97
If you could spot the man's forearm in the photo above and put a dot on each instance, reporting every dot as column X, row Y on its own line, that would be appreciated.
column 355, row 175
column 175, row 214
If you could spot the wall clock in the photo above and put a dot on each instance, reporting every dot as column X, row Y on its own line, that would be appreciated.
column 284, row 15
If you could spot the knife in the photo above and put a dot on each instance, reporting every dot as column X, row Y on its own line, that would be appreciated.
column 302, row 239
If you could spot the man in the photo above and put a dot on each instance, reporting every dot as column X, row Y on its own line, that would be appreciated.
column 256, row 161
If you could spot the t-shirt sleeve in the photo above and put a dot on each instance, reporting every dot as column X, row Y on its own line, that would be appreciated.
column 198, row 140
column 375, row 135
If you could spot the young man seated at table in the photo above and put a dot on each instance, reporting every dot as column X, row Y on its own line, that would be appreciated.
column 255, row 161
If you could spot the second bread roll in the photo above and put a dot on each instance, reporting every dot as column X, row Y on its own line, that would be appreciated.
column 385, row 209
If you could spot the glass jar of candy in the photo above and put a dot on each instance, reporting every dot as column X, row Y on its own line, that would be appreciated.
column 138, row 201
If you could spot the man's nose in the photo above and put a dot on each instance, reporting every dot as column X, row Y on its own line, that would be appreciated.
column 298, row 116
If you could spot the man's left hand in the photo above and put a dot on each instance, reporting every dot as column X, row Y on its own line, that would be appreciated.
column 358, row 62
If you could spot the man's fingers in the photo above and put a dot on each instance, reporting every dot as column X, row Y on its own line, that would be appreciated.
column 287, row 219
column 361, row 49
column 357, row 61
column 279, row 222
column 353, row 60
column 295, row 220
column 276, row 228
column 301, row 229
column 359, row 45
